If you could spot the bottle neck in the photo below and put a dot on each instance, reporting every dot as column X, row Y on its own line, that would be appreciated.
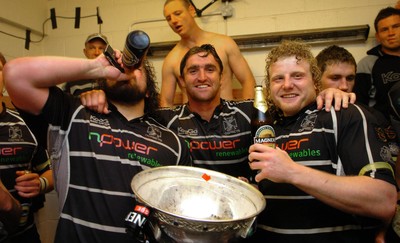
column 259, row 99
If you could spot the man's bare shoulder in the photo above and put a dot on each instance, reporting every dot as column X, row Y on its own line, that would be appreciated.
column 220, row 41
column 177, row 52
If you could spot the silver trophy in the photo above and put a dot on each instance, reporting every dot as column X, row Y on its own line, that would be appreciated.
column 190, row 204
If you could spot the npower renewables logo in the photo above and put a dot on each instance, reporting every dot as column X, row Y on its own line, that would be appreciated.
column 136, row 151
column 213, row 145
column 294, row 148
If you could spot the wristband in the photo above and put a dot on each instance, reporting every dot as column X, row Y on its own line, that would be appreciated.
column 44, row 183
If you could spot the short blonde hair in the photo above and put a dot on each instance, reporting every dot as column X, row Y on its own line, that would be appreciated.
column 289, row 48
column 186, row 3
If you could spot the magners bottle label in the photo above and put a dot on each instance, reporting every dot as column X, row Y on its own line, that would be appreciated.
column 265, row 134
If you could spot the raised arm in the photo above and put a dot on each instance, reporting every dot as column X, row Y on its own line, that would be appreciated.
column 240, row 68
column 28, row 79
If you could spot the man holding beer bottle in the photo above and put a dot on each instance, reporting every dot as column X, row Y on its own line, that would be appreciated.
column 330, row 178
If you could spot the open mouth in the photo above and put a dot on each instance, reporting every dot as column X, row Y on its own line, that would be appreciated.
column 178, row 28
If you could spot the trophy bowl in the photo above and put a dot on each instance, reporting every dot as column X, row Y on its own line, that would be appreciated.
column 190, row 204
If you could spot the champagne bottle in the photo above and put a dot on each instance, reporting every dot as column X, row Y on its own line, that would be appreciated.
column 262, row 120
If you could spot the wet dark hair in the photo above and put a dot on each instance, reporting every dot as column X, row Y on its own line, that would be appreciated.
column 334, row 55
column 384, row 13
column 207, row 49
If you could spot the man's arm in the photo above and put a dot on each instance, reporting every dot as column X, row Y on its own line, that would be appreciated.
column 28, row 79
column 240, row 68
column 169, row 82
column 361, row 195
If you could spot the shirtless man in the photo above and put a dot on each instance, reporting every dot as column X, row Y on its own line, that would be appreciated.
column 180, row 17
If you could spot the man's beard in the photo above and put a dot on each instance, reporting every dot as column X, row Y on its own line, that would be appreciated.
column 124, row 92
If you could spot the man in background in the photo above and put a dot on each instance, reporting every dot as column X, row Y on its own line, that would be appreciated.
column 180, row 17
column 380, row 70
column 95, row 44
column 338, row 68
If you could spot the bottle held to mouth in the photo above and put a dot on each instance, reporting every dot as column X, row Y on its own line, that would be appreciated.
column 136, row 46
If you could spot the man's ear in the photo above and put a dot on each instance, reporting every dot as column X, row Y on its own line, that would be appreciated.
column 84, row 52
column 192, row 11
column 181, row 82
column 377, row 37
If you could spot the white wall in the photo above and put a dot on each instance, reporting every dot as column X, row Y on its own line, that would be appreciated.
column 122, row 16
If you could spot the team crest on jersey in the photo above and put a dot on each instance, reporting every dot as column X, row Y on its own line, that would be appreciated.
column 308, row 122
column 230, row 125
column 394, row 148
column 15, row 134
column 154, row 132
column 385, row 153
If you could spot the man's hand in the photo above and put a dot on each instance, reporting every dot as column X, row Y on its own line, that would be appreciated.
column 95, row 100
column 339, row 97
column 27, row 184
column 108, row 70
column 271, row 163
